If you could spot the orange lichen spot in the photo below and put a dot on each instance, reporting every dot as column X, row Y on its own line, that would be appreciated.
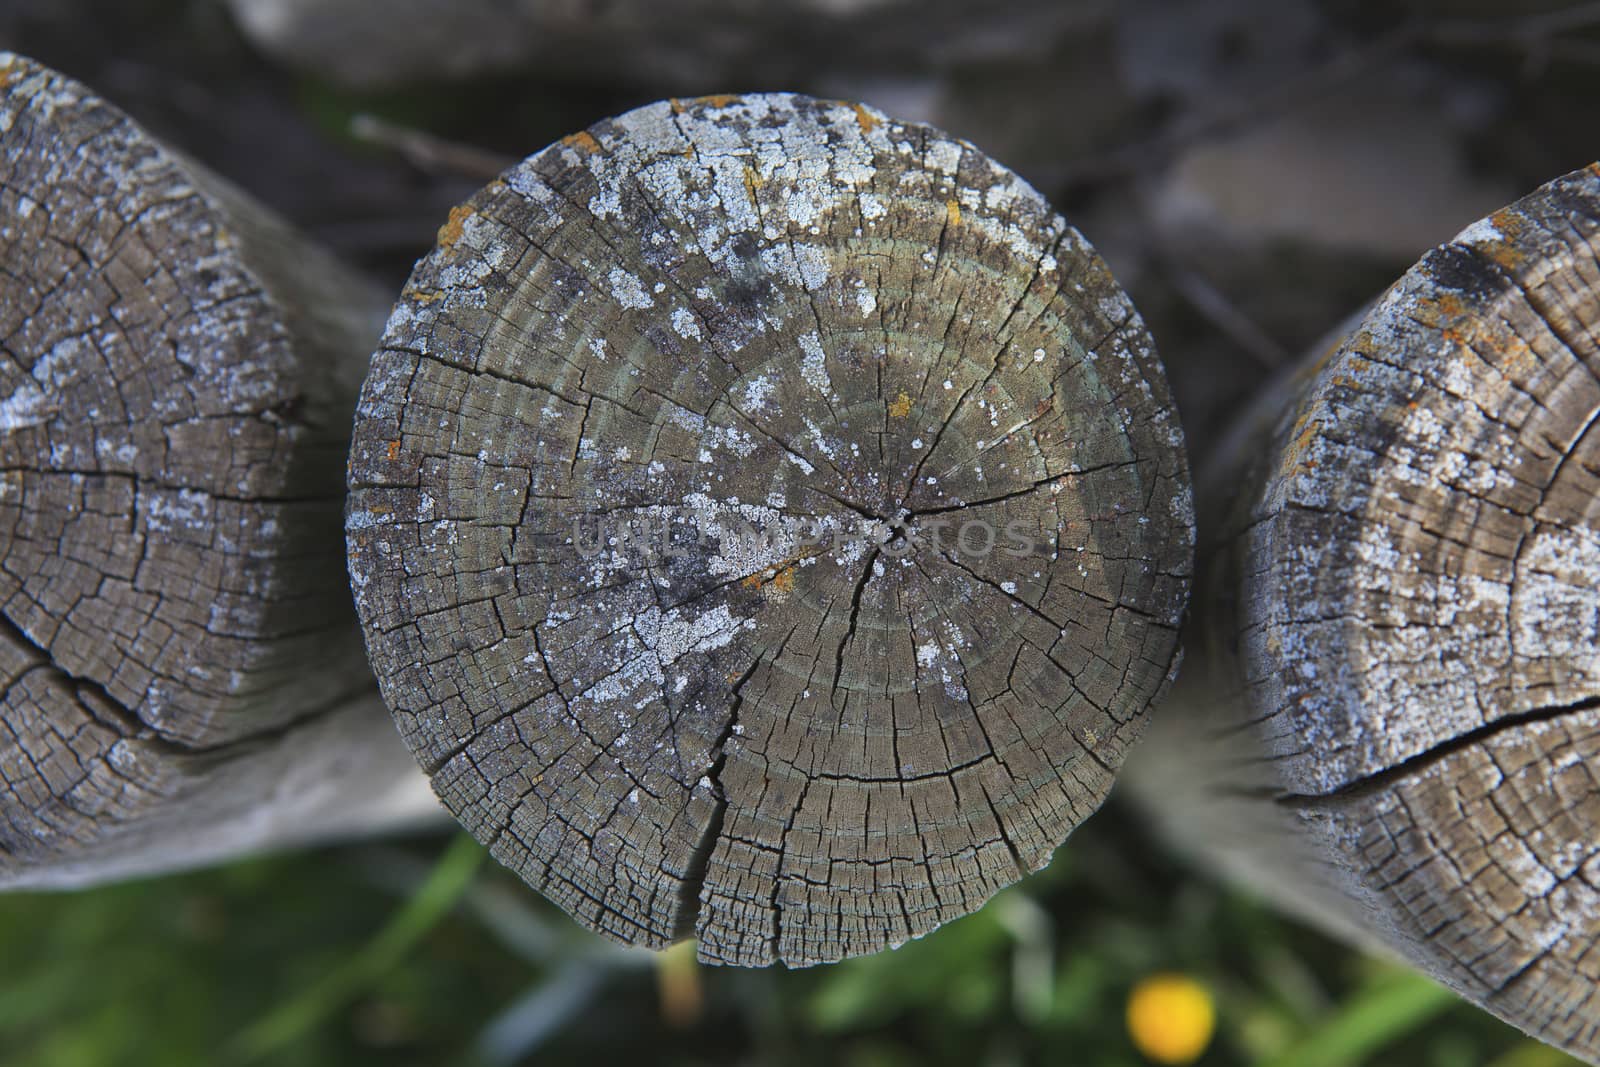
column 450, row 232
column 952, row 212
column 1304, row 431
column 752, row 182
column 392, row 449
column 583, row 141
column 718, row 99
column 900, row 407
column 676, row 105
column 1511, row 226
column 1506, row 254
column 1509, row 221
column 9, row 73
column 777, row 581
column 422, row 296
column 865, row 119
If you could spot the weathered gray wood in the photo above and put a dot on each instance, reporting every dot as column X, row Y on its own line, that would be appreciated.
column 769, row 310
column 1395, row 722
column 177, row 373
column 678, row 45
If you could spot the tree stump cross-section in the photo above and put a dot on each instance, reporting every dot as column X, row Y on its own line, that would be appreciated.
column 769, row 524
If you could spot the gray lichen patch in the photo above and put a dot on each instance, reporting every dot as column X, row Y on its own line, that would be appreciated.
column 770, row 523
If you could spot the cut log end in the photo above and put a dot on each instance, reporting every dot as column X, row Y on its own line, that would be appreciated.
column 1406, row 605
column 1445, row 464
column 172, row 422
column 770, row 524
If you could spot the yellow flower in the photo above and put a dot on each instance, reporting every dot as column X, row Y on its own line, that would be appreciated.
column 1171, row 1018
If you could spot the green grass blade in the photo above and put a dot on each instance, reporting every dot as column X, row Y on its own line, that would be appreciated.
column 1387, row 1009
column 302, row 1013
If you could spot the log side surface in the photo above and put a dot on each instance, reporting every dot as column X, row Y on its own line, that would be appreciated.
column 1396, row 727
column 671, row 485
column 177, row 375
column 680, row 45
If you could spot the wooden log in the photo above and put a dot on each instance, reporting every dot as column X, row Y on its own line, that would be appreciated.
column 184, row 678
column 673, row 45
column 647, row 490
column 1394, row 725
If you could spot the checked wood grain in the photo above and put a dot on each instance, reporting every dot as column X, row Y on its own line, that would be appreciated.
column 1395, row 724
column 183, row 675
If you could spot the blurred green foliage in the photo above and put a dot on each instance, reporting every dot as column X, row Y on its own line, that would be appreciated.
column 422, row 952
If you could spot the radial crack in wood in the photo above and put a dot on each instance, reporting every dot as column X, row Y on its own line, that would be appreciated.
column 645, row 490
column 1396, row 728
column 184, row 678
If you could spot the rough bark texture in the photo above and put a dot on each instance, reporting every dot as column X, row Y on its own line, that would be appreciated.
column 177, row 373
column 1396, row 726
column 689, row 44
column 772, row 311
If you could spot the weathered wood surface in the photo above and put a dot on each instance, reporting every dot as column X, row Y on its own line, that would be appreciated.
column 184, row 678
column 1394, row 725
column 802, row 316
column 680, row 45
